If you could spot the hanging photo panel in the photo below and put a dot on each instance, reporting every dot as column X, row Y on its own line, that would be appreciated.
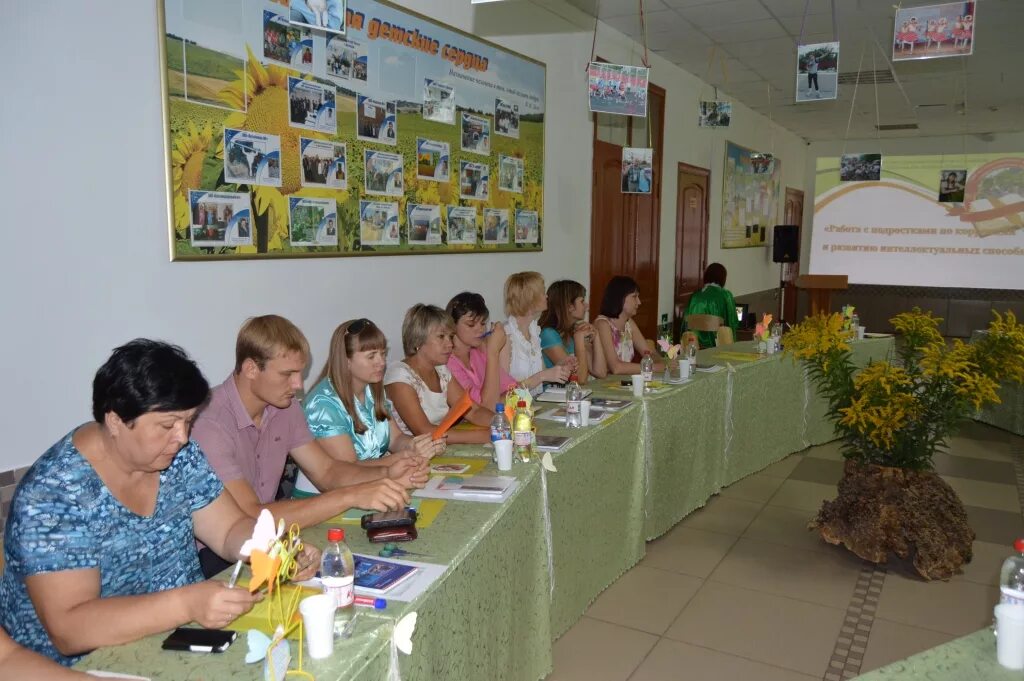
column 637, row 170
column 714, row 114
column 618, row 88
column 817, row 72
column 932, row 31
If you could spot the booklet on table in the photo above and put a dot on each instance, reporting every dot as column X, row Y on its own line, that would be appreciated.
column 377, row 576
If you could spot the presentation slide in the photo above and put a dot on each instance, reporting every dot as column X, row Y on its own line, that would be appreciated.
column 950, row 221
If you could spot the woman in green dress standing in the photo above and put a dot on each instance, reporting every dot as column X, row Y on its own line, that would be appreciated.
column 716, row 300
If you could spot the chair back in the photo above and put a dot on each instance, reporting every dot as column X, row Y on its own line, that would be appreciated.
column 724, row 336
column 703, row 322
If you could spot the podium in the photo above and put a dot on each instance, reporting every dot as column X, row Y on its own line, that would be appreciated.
column 820, row 288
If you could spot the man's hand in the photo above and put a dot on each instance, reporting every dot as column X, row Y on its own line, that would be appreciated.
column 377, row 495
column 411, row 472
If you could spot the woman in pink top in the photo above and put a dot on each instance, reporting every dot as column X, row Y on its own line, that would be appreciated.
column 474, row 362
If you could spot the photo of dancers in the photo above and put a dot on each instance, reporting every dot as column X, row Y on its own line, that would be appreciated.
column 930, row 31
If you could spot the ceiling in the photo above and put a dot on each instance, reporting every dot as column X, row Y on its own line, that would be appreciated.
column 754, row 47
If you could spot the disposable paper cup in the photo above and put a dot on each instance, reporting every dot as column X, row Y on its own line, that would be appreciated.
column 503, row 454
column 860, row 332
column 318, row 624
column 585, row 412
column 1010, row 635
column 684, row 370
column 638, row 385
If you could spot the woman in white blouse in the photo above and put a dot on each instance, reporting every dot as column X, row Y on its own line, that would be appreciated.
column 525, row 300
column 421, row 387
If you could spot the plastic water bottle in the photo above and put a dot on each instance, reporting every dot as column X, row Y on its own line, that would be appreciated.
column 522, row 432
column 573, row 396
column 501, row 429
column 337, row 575
column 691, row 356
column 1011, row 577
column 647, row 367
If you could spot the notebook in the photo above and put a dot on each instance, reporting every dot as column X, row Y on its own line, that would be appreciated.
column 552, row 443
column 377, row 576
column 556, row 393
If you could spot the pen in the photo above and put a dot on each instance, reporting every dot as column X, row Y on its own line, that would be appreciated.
column 371, row 602
column 234, row 575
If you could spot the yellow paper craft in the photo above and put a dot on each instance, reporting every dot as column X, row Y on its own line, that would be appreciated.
column 261, row 617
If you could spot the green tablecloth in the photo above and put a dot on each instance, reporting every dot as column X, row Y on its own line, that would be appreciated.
column 970, row 658
column 627, row 479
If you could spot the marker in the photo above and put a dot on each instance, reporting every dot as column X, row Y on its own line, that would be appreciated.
column 370, row 602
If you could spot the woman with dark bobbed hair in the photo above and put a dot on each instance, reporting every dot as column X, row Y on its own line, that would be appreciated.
column 102, row 528
column 713, row 299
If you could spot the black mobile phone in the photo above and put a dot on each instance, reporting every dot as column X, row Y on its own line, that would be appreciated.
column 199, row 640
column 626, row 384
column 401, row 518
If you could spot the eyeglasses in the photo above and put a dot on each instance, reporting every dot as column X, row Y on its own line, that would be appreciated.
column 357, row 326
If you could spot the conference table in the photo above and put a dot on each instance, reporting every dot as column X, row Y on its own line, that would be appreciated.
column 520, row 573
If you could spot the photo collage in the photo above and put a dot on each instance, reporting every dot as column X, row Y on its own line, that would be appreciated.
column 345, row 129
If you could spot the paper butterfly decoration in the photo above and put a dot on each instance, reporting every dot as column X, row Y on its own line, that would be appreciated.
column 670, row 350
column 264, row 551
column 275, row 652
column 404, row 629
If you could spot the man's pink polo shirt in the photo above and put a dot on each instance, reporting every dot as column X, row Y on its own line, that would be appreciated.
column 239, row 450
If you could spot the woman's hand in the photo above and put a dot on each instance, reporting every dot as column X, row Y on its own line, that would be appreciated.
column 556, row 374
column 584, row 332
column 410, row 471
column 306, row 563
column 496, row 341
column 214, row 605
column 424, row 447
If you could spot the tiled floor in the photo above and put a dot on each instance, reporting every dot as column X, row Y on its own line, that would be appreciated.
column 741, row 590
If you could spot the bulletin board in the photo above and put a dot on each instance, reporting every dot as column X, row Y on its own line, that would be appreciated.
column 390, row 134
column 750, row 196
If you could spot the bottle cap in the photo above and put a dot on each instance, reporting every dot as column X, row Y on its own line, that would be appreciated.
column 521, row 403
column 335, row 534
column 1019, row 545
column 573, row 377
column 646, row 352
column 499, row 408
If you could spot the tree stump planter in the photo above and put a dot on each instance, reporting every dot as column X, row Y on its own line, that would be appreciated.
column 913, row 514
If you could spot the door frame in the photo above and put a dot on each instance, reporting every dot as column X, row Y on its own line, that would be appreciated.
column 700, row 172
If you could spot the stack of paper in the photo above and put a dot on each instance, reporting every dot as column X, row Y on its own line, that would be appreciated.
column 488, row 488
column 556, row 393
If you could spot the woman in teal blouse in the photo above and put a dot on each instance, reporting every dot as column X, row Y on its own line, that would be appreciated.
column 716, row 300
column 347, row 410
column 567, row 336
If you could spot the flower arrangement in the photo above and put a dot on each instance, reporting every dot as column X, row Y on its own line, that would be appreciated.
column 763, row 329
column 899, row 413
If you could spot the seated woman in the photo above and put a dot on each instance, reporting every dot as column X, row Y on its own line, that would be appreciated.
column 347, row 410
column 565, row 331
column 102, row 528
column 475, row 360
column 620, row 337
column 421, row 387
column 525, row 300
column 24, row 664
column 713, row 299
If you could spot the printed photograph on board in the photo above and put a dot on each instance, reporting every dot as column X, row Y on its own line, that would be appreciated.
column 438, row 102
column 313, row 222
column 220, row 219
column 311, row 106
column 378, row 223
column 931, row 31
column 473, row 180
column 287, row 43
column 527, row 231
column 476, row 134
column 506, row 118
column 432, row 160
column 323, row 164
column 817, row 72
column 860, row 167
column 618, row 88
column 462, row 225
column 952, row 184
column 376, row 120
column 495, row 225
column 637, row 170
column 424, row 224
column 252, row 158
column 346, row 60
column 382, row 173
column 327, row 15
column 714, row 114
column 510, row 174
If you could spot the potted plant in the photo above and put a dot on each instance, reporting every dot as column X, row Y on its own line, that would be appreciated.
column 892, row 417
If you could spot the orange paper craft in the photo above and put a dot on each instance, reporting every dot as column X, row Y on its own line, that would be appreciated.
column 264, row 570
column 454, row 415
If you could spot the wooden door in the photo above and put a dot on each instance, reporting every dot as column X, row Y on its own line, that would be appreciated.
column 691, row 236
column 790, row 270
column 625, row 228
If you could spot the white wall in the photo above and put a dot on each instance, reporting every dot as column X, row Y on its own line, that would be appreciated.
column 83, row 192
column 953, row 145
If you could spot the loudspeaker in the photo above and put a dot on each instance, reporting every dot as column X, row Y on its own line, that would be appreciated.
column 786, row 247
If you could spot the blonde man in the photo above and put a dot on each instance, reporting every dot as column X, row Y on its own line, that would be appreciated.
column 253, row 423
column 525, row 300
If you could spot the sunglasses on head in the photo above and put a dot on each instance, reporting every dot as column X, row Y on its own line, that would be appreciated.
column 357, row 326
